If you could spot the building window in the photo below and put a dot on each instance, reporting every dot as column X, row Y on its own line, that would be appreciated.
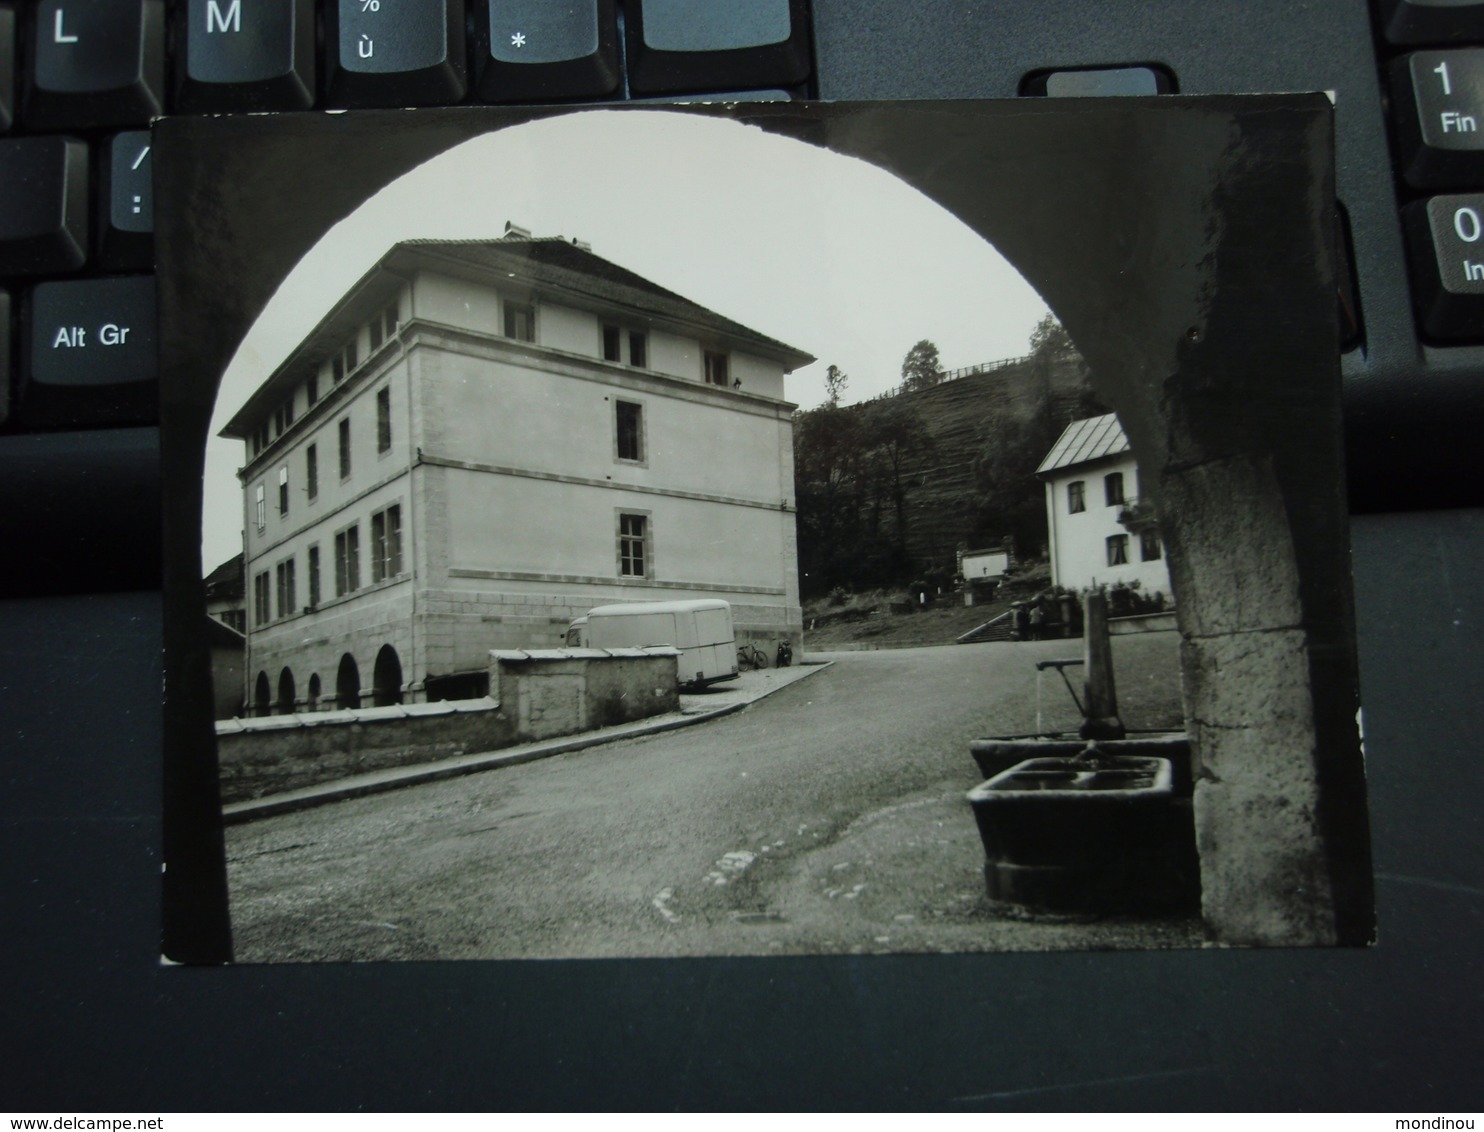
column 350, row 356
column 1118, row 550
column 260, row 438
column 311, row 388
column 386, row 543
column 236, row 618
column 373, row 333
column 287, row 598
column 716, row 368
column 283, row 416
column 313, row 576
column 311, row 472
column 1076, row 497
column 260, row 507
column 337, row 369
column 520, row 321
column 345, row 448
column 1113, row 488
column 612, row 344
column 1149, row 548
column 283, row 491
column 261, row 613
column 633, row 546
column 638, row 349
column 384, row 419
column 630, row 438
column 389, row 320
column 347, row 561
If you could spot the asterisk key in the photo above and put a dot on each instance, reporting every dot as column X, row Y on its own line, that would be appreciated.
column 518, row 39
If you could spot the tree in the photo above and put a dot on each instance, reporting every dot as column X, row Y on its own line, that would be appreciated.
column 1051, row 342
column 921, row 368
column 894, row 435
column 835, row 379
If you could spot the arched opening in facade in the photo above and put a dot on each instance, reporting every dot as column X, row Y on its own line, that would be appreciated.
column 348, row 683
column 260, row 695
column 314, row 693
column 284, row 705
column 386, row 680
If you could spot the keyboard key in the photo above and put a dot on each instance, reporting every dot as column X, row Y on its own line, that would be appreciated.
column 126, row 204
column 91, row 353
column 394, row 52
column 43, row 205
column 1439, row 98
column 7, row 66
column 1445, row 237
column 97, row 63
column 1099, row 82
column 1413, row 23
column 545, row 49
column 678, row 45
column 246, row 55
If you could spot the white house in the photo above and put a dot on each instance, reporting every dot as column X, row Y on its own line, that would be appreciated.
column 1101, row 532
column 484, row 439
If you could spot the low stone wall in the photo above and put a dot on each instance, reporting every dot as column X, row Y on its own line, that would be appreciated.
column 1142, row 623
column 551, row 692
column 538, row 694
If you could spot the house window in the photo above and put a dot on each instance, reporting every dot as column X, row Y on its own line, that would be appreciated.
column 389, row 320
column 630, row 418
column 283, row 416
column 350, row 356
column 386, row 544
column 1118, row 550
column 373, row 332
column 313, row 576
column 1149, row 548
column 1113, row 488
column 261, row 613
column 337, row 369
column 311, row 388
column 345, row 448
column 638, row 349
column 286, row 596
column 716, row 368
column 384, row 419
column 236, row 618
column 260, row 506
column 612, row 344
column 347, row 561
column 633, row 546
column 283, row 491
column 311, row 472
column 1076, row 497
column 520, row 322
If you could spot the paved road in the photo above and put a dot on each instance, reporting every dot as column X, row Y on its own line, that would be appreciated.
column 828, row 817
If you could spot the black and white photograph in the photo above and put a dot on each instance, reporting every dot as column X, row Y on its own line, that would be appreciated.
column 733, row 530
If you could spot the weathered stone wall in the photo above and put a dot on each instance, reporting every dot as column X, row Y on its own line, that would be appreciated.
column 551, row 692
column 538, row 695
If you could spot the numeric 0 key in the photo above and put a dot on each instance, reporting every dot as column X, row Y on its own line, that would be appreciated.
column 1445, row 236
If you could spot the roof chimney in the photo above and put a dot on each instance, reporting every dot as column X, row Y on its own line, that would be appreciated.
column 583, row 244
column 514, row 231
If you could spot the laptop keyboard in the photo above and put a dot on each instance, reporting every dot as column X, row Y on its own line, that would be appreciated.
column 80, row 81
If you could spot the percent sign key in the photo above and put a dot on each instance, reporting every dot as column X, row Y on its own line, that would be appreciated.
column 410, row 53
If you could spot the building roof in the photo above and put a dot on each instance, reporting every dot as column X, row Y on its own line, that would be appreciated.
column 1083, row 442
column 227, row 581
column 555, row 265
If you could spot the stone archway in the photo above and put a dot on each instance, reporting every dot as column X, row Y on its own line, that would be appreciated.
column 314, row 692
column 284, row 705
column 348, row 683
column 386, row 678
column 261, row 694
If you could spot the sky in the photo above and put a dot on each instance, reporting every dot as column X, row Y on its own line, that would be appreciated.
column 827, row 253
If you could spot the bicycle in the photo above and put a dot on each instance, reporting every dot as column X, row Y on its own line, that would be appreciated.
column 750, row 656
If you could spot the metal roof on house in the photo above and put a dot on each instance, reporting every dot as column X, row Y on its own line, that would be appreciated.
column 1082, row 442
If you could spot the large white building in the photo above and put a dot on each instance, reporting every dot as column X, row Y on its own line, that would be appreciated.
column 1101, row 532
column 482, row 440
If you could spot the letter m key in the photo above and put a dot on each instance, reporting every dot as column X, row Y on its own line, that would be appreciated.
column 216, row 21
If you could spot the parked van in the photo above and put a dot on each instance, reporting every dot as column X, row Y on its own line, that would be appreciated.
column 701, row 630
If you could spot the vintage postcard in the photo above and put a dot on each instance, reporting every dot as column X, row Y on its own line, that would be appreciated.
column 765, row 529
